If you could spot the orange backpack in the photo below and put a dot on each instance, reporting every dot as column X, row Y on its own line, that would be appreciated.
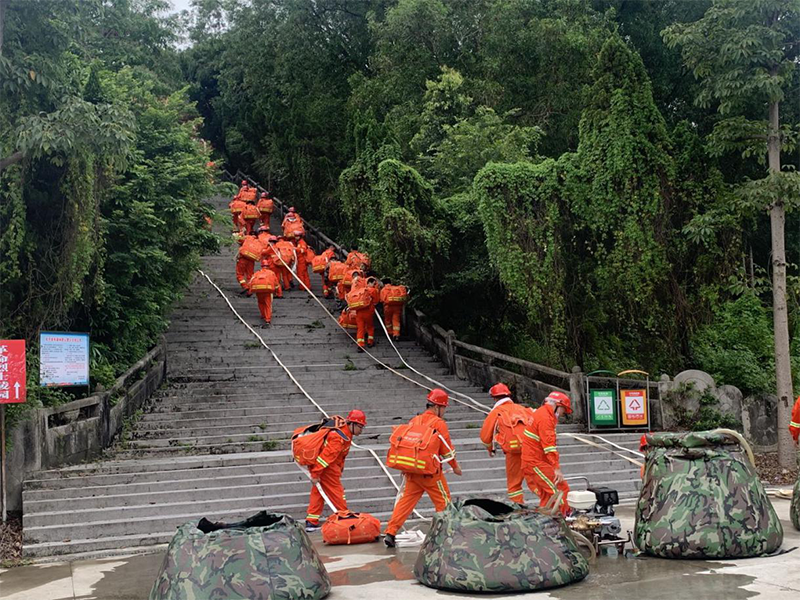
column 264, row 281
column 318, row 263
column 415, row 448
column 395, row 295
column 251, row 248
column 348, row 319
column 358, row 298
column 510, row 428
column 286, row 252
column 266, row 206
column 308, row 441
column 347, row 527
column 356, row 259
column 337, row 270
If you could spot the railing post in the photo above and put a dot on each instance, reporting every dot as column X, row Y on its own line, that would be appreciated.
column 451, row 350
column 576, row 395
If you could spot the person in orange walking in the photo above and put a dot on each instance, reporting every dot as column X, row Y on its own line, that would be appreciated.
column 346, row 283
column 286, row 251
column 348, row 320
column 361, row 300
column 794, row 424
column 264, row 283
column 265, row 208
column 319, row 264
column 249, row 253
column 416, row 484
column 334, row 273
column 237, row 206
column 292, row 224
column 504, row 426
column 305, row 256
column 327, row 471
column 540, row 463
column 374, row 289
column 358, row 260
column 393, row 298
column 249, row 216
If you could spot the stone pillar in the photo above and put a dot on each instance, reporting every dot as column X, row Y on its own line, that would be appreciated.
column 576, row 395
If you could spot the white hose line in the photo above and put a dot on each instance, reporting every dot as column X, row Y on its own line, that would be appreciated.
column 297, row 383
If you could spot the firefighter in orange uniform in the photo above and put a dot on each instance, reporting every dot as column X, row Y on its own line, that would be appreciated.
column 284, row 249
column 334, row 273
column 305, row 256
column 498, row 427
column 265, row 208
column 237, row 206
column 540, row 464
column 319, row 264
column 249, row 216
column 327, row 471
column 292, row 224
column 374, row 289
column 414, row 485
column 393, row 298
column 249, row 253
column 264, row 283
column 360, row 299
column 794, row 424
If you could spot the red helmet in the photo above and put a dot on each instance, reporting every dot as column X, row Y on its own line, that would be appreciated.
column 244, row 181
column 561, row 399
column 264, row 263
column 438, row 397
column 264, row 195
column 292, row 209
column 358, row 417
column 272, row 239
column 499, row 390
column 643, row 442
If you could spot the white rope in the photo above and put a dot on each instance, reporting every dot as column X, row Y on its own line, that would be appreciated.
column 297, row 383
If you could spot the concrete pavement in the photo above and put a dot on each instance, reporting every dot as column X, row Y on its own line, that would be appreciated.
column 371, row 571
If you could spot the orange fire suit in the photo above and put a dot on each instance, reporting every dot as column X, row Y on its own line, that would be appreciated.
column 328, row 469
column 248, row 254
column 249, row 217
column 348, row 320
column 414, row 485
column 794, row 424
column 365, row 320
column 346, row 283
column 265, row 208
column 264, row 284
column 540, row 457
column 248, row 194
column 284, row 249
column 392, row 312
column 237, row 206
column 292, row 225
column 513, row 459
column 356, row 259
column 304, row 257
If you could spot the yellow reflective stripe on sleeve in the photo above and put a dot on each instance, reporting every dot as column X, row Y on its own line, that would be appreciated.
column 531, row 435
column 322, row 462
column 550, row 449
column 514, row 494
column 793, row 424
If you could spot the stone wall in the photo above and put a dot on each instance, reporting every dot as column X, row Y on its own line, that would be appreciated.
column 80, row 430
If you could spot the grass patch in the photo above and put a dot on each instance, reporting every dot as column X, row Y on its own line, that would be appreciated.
column 269, row 445
column 350, row 366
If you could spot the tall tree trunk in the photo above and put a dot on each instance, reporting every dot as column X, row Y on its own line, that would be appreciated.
column 783, row 367
column 2, row 23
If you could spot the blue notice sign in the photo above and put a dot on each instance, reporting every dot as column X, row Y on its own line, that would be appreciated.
column 63, row 358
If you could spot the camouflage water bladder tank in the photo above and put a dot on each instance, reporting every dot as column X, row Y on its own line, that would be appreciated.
column 481, row 545
column 701, row 498
column 266, row 557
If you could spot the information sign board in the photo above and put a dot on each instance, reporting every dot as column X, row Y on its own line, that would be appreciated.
column 64, row 358
column 12, row 372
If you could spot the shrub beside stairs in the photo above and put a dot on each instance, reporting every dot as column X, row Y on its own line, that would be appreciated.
column 215, row 441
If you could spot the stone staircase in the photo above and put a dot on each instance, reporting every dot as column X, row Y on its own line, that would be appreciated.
column 214, row 442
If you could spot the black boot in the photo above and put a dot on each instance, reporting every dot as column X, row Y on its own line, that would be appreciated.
column 388, row 539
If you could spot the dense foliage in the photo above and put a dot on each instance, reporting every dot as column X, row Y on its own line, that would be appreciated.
column 551, row 177
column 103, row 178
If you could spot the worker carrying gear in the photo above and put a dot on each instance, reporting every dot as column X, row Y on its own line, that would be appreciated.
column 348, row 320
column 237, row 206
column 794, row 424
column 245, row 264
column 286, row 251
column 305, row 256
column 431, row 425
column 393, row 298
column 292, row 225
column 249, row 216
column 361, row 300
column 359, row 260
column 540, row 463
column 323, row 448
column 504, row 426
column 265, row 208
column 346, row 283
column 264, row 283
column 335, row 273
column 319, row 265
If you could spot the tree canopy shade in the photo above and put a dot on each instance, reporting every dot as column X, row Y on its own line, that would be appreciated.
column 743, row 54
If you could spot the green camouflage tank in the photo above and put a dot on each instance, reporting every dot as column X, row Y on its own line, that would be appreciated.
column 266, row 557
column 794, row 511
column 701, row 498
column 482, row 545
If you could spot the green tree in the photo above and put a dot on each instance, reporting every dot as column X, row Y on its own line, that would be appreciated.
column 742, row 50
